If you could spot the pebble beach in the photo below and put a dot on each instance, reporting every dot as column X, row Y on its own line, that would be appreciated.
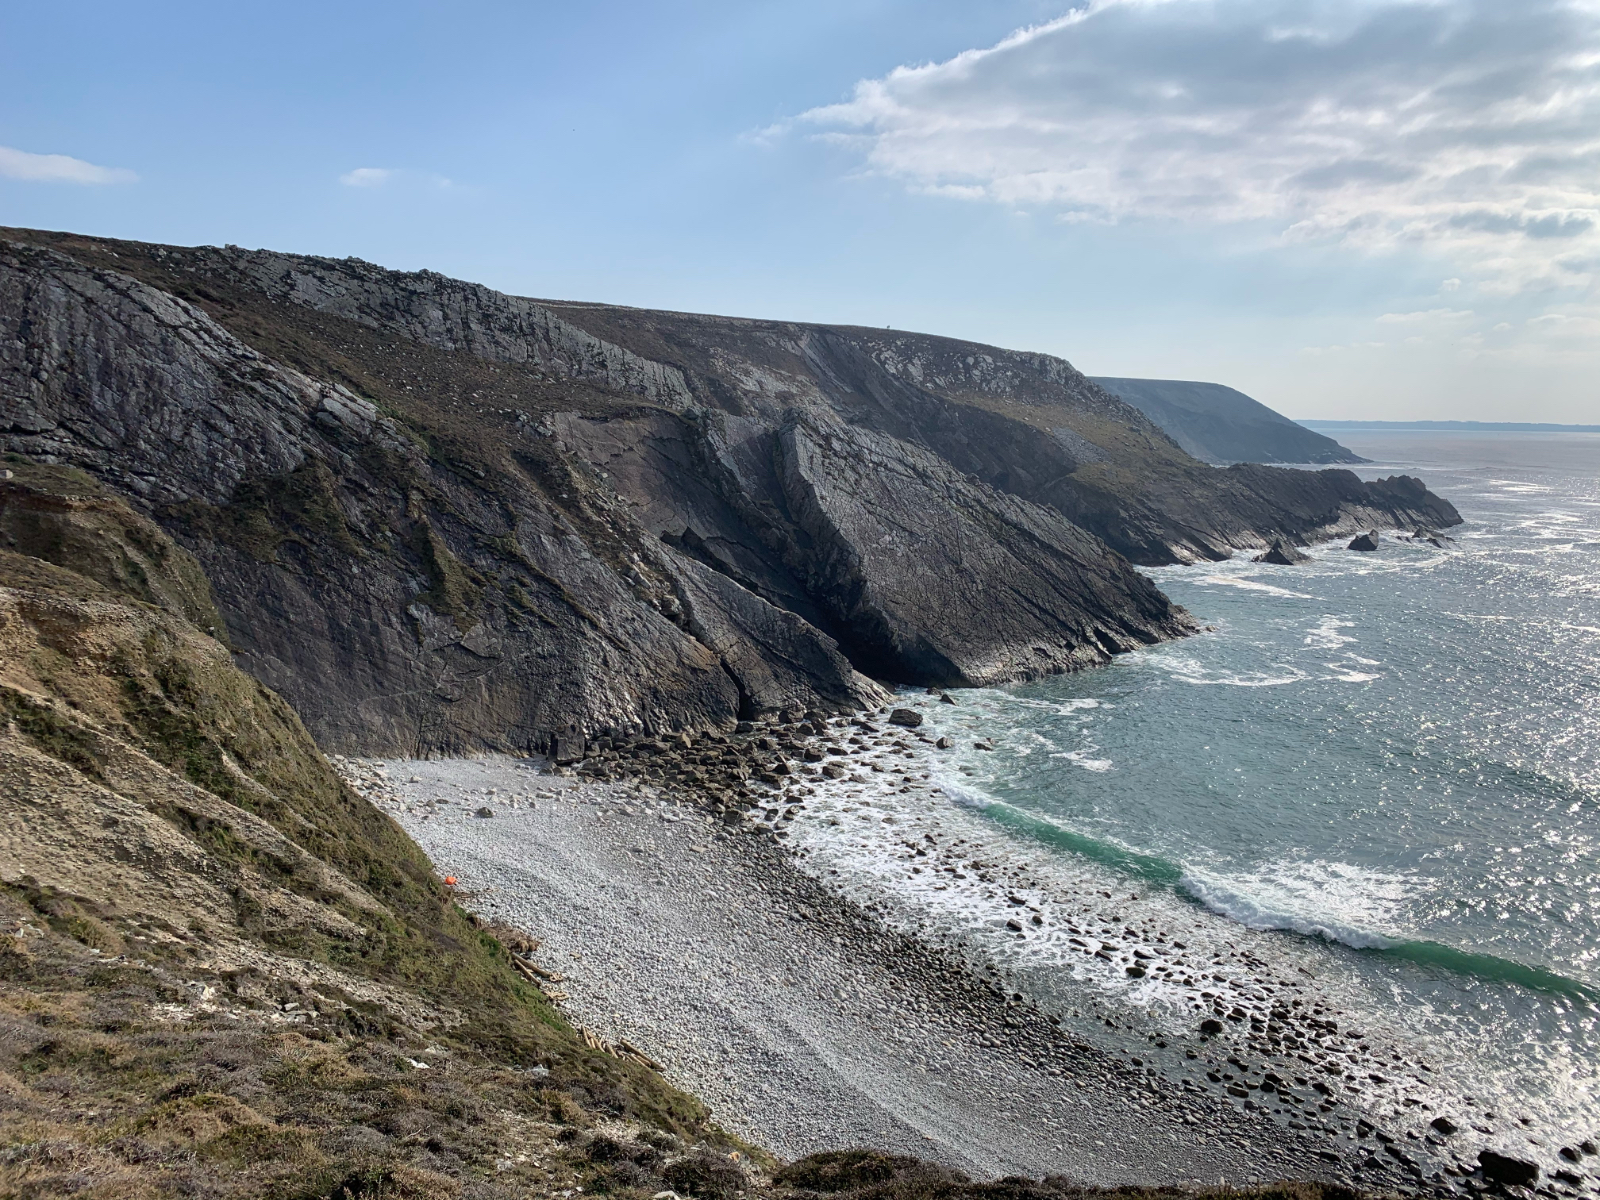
column 687, row 920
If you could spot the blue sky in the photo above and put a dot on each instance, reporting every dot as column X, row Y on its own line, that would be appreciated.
column 1348, row 208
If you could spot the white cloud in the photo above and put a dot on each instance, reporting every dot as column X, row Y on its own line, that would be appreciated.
column 1466, row 127
column 57, row 168
column 1342, row 349
column 366, row 177
column 375, row 177
column 1428, row 316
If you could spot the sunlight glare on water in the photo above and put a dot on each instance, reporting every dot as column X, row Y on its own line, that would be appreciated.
column 1378, row 771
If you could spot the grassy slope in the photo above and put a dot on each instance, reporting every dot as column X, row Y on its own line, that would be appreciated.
column 180, row 863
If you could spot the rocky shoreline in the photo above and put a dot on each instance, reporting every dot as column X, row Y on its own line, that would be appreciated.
column 656, row 876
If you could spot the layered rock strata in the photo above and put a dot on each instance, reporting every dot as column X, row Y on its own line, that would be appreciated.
column 440, row 519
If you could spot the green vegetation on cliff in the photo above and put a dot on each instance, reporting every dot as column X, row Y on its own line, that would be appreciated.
column 222, row 972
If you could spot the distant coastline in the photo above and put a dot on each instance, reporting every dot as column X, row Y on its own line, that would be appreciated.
column 1466, row 426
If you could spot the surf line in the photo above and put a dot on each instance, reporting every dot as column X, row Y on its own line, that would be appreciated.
column 1153, row 870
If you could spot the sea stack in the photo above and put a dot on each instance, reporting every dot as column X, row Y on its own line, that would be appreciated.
column 1282, row 554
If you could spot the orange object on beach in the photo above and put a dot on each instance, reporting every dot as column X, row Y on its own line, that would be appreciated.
column 450, row 881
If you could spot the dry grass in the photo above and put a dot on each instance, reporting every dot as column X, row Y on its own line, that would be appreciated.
column 222, row 972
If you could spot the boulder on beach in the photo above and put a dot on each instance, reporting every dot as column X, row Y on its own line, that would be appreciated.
column 1503, row 1169
column 907, row 717
column 1365, row 542
column 1282, row 554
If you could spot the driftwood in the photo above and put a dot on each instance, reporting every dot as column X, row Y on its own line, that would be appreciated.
column 624, row 1049
column 541, row 972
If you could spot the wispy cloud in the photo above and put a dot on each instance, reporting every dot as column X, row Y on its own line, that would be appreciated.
column 1461, row 126
column 58, row 168
column 1431, row 316
column 377, row 177
column 367, row 177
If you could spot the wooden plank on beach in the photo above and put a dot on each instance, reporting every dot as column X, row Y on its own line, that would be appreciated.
column 541, row 972
column 634, row 1052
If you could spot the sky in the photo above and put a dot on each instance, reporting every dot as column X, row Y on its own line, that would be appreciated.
column 1350, row 209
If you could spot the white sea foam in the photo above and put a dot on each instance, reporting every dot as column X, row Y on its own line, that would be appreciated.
column 1326, row 635
column 1085, row 759
column 1192, row 671
column 1253, row 585
column 1060, row 707
column 1336, row 901
column 964, row 794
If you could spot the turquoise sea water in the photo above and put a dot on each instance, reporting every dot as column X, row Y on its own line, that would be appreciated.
column 1378, row 775
column 1390, row 749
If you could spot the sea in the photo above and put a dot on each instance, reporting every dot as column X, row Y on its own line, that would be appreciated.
column 1372, row 784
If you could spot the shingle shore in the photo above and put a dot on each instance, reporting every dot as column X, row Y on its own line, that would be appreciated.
column 804, row 1022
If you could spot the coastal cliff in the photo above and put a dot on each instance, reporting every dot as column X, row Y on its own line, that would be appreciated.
column 225, row 973
column 222, row 972
column 439, row 519
column 1222, row 425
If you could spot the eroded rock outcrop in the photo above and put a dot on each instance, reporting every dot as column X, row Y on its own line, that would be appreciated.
column 1282, row 554
column 944, row 580
column 398, row 605
column 438, row 518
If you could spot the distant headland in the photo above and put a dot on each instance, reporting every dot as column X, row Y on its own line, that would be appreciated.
column 1466, row 426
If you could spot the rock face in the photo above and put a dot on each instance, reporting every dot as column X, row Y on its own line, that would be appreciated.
column 1221, row 425
column 348, row 562
column 1365, row 542
column 439, row 519
column 890, row 525
column 1027, row 424
column 1282, row 554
